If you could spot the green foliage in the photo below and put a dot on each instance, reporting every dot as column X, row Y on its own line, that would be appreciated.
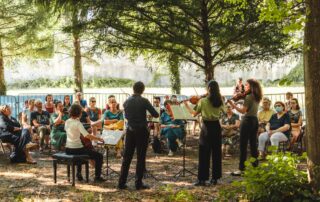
column 19, row 198
column 177, row 196
column 88, row 197
column 67, row 82
column 277, row 180
column 296, row 75
column 207, row 34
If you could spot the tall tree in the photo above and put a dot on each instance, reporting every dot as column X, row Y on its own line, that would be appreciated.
column 22, row 34
column 203, row 32
column 72, row 17
column 174, row 71
column 312, row 89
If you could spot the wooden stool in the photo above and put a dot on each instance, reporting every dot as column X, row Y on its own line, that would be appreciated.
column 70, row 160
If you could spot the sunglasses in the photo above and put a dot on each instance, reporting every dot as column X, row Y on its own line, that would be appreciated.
column 93, row 101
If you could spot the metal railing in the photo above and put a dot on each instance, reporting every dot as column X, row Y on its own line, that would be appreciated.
column 17, row 102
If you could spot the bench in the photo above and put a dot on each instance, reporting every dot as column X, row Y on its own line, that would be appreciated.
column 70, row 160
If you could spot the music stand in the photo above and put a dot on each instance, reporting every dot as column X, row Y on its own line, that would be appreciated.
column 184, row 170
column 111, row 139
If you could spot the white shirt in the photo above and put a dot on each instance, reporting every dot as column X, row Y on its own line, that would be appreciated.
column 74, row 128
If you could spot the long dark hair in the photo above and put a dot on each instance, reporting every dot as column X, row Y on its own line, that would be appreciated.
column 214, row 94
column 255, row 89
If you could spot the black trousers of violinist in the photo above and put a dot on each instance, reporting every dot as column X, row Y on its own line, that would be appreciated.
column 210, row 146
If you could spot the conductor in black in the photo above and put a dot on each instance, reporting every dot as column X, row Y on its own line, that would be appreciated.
column 137, row 134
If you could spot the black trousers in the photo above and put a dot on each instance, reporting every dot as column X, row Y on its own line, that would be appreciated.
column 19, row 140
column 136, row 138
column 94, row 155
column 210, row 144
column 248, row 132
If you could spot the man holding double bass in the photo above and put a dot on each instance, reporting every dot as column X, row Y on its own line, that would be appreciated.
column 137, row 135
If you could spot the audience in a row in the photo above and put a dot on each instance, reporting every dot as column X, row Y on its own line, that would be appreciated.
column 46, row 123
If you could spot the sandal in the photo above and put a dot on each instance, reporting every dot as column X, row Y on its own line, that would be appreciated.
column 237, row 173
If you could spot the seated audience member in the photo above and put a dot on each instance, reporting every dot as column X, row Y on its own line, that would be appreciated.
column 109, row 102
column 94, row 114
column 230, row 126
column 277, row 129
column 26, row 115
column 79, row 99
column 289, row 96
column 296, row 120
column 152, row 125
column 174, row 100
column 66, row 103
column 25, row 106
column 41, row 121
column 74, row 146
column 172, row 130
column 264, row 115
column 113, row 120
column 11, row 132
column 49, row 105
column 58, row 134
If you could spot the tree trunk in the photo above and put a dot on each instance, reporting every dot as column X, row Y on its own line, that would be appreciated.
column 77, row 66
column 312, row 90
column 174, row 74
column 206, row 46
column 3, row 88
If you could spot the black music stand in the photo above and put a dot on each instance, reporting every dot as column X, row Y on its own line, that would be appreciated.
column 111, row 138
column 184, row 170
column 109, row 170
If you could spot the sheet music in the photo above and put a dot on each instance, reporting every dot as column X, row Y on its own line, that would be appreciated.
column 157, row 120
column 181, row 113
column 112, row 137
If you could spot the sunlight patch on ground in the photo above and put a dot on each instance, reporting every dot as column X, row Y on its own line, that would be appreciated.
column 17, row 175
column 87, row 187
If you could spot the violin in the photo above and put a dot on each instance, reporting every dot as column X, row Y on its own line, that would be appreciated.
column 239, row 96
column 194, row 99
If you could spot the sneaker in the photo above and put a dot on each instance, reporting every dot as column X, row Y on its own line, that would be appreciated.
column 199, row 183
column 237, row 173
column 170, row 153
column 180, row 144
column 213, row 181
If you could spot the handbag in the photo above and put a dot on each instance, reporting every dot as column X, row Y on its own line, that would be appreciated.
column 86, row 142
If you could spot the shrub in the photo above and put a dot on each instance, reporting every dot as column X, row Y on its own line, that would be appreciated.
column 278, row 179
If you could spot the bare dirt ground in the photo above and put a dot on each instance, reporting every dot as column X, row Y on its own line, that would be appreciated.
column 25, row 182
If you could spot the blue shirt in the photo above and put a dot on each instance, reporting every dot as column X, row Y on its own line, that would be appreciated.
column 108, row 115
column 276, row 123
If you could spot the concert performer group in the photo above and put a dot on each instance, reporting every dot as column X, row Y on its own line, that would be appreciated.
column 210, row 108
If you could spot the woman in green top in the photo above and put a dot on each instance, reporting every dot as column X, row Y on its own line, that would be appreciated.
column 210, row 108
column 58, row 134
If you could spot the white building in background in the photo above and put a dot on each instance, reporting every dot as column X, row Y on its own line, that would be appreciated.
column 121, row 67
